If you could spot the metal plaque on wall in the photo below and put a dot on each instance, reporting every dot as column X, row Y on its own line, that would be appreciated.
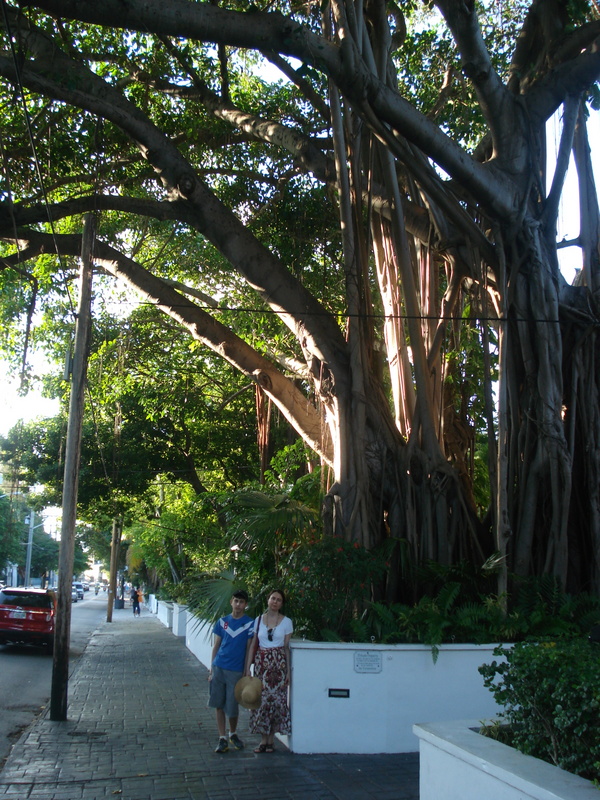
column 367, row 661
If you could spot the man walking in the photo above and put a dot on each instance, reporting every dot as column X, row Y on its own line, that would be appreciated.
column 232, row 637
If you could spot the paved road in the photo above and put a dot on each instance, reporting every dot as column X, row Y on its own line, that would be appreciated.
column 27, row 672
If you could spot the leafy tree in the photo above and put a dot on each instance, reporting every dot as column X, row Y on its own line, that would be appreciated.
column 44, row 555
column 341, row 238
column 11, row 534
column 144, row 417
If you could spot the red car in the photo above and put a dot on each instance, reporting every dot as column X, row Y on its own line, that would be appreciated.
column 27, row 616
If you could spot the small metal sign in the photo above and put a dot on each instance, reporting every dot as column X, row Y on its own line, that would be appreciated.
column 339, row 693
column 367, row 661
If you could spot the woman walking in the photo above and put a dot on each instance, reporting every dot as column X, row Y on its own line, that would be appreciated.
column 136, row 595
column 273, row 631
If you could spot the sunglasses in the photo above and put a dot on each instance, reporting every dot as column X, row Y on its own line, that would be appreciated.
column 270, row 634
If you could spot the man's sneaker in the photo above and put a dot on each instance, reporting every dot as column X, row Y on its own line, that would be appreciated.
column 235, row 740
column 222, row 747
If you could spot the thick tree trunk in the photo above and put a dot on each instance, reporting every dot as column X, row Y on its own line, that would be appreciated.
column 396, row 472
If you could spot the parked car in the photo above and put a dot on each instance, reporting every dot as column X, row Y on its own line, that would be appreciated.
column 74, row 596
column 79, row 586
column 27, row 616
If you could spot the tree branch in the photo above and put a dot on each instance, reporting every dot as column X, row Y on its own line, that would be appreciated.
column 58, row 76
column 273, row 31
column 305, row 86
column 572, row 78
column 299, row 412
column 462, row 19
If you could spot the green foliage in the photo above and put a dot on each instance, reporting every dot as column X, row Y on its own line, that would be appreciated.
column 328, row 581
column 209, row 596
column 287, row 467
column 330, row 584
column 11, row 533
column 550, row 693
column 274, row 540
column 268, row 521
column 44, row 555
column 175, row 534
column 461, row 608
column 96, row 541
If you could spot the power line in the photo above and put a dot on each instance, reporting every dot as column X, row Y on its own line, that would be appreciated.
column 361, row 315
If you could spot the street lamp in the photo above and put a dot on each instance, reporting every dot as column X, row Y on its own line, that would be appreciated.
column 32, row 527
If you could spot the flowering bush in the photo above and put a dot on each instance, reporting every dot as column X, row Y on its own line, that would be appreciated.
column 329, row 581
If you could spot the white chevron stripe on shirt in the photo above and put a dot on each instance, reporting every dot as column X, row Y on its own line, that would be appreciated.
column 237, row 632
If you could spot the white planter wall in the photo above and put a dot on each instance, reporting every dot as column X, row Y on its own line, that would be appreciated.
column 198, row 638
column 382, row 706
column 165, row 613
column 179, row 619
column 457, row 763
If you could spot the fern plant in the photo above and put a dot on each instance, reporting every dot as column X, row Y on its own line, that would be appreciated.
column 457, row 612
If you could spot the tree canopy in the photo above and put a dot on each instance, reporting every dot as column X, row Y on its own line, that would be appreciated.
column 348, row 203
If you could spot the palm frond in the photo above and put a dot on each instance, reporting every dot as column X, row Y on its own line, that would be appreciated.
column 257, row 519
column 209, row 595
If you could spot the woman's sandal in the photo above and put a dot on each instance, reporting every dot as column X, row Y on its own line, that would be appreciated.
column 269, row 748
column 262, row 748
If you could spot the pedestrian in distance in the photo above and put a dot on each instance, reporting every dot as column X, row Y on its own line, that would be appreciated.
column 270, row 655
column 135, row 600
column 232, row 637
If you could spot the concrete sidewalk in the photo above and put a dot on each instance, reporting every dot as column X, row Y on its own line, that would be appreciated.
column 139, row 729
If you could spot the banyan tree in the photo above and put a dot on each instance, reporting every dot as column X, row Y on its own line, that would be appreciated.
column 372, row 181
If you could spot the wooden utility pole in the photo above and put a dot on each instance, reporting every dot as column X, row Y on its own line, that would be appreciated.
column 60, row 666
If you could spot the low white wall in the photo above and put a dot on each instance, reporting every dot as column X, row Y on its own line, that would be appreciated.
column 198, row 638
column 153, row 603
column 179, row 619
column 457, row 763
column 165, row 613
column 389, row 688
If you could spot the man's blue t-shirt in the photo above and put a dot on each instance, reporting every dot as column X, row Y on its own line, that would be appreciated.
column 234, row 635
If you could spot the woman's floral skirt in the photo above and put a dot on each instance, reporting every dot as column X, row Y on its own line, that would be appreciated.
column 274, row 714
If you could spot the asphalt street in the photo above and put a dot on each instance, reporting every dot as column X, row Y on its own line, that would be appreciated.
column 27, row 672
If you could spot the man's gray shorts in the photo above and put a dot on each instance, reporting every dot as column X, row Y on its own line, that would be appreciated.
column 221, row 690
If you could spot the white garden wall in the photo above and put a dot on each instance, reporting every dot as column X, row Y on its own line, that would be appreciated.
column 165, row 613
column 198, row 638
column 179, row 619
column 153, row 603
column 357, row 698
column 349, row 698
column 457, row 763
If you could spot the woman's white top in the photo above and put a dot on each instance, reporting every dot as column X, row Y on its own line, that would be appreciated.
column 279, row 632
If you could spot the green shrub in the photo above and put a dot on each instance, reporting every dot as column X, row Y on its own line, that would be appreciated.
column 329, row 581
column 460, row 608
column 550, row 693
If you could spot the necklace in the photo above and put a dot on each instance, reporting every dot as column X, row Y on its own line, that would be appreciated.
column 272, row 624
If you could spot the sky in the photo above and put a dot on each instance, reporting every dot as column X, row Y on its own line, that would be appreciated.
column 13, row 408
column 33, row 406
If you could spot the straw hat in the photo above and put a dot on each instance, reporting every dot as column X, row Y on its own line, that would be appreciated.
column 248, row 692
